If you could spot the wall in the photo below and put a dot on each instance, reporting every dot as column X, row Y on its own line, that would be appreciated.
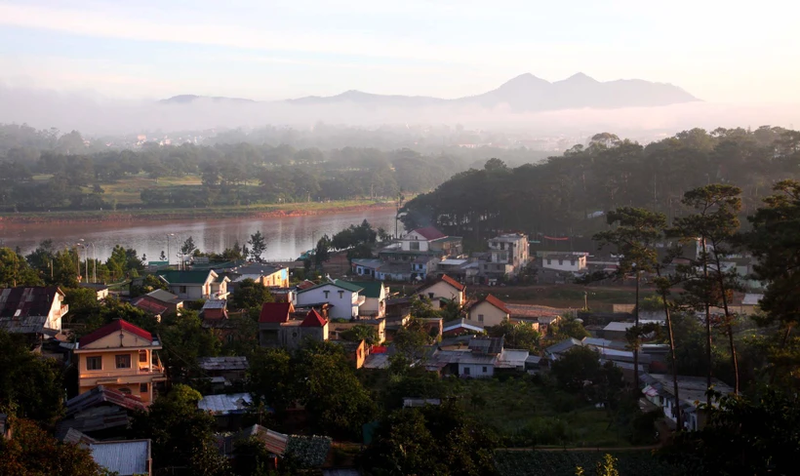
column 344, row 306
column 578, row 264
column 491, row 315
column 443, row 290
column 126, row 378
column 193, row 291
column 475, row 370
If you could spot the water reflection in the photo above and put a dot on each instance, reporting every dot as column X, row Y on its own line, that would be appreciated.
column 287, row 237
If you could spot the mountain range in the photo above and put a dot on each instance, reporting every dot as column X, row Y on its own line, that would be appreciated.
column 525, row 93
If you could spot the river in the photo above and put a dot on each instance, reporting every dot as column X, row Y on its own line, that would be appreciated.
column 287, row 237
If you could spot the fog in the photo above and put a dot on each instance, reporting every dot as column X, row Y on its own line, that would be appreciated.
column 95, row 115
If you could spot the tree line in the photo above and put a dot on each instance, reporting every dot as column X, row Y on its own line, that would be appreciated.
column 566, row 195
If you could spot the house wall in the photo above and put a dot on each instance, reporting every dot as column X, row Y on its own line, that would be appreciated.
column 414, row 237
column 491, row 315
column 190, row 291
column 278, row 279
column 572, row 265
column 345, row 305
column 110, row 376
column 57, row 311
column 475, row 370
column 443, row 290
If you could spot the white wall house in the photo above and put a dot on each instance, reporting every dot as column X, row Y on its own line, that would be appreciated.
column 510, row 249
column 374, row 293
column 345, row 298
column 195, row 284
column 444, row 287
column 569, row 262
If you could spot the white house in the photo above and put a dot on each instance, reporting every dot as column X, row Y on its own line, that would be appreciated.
column 420, row 239
column 508, row 253
column 444, row 287
column 344, row 298
column 570, row 262
column 195, row 284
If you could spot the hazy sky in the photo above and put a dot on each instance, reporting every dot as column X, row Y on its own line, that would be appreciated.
column 721, row 51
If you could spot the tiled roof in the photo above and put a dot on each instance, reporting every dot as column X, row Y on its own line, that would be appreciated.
column 530, row 311
column 494, row 302
column 147, row 303
column 306, row 285
column 115, row 326
column 447, row 279
column 185, row 277
column 370, row 289
column 275, row 312
column 430, row 233
column 313, row 319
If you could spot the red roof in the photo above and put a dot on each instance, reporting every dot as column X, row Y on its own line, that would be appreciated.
column 495, row 302
column 115, row 326
column 430, row 233
column 313, row 319
column 275, row 312
column 146, row 303
column 452, row 282
column 306, row 284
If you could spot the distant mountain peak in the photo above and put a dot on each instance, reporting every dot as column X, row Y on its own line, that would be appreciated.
column 523, row 93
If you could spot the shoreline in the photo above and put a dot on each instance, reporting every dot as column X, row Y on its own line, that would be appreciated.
column 156, row 215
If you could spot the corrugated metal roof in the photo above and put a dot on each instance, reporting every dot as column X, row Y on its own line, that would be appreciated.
column 164, row 296
column 222, row 363
column 126, row 458
column 225, row 404
column 563, row 346
column 25, row 310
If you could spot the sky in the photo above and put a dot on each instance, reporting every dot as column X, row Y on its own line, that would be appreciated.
column 720, row 51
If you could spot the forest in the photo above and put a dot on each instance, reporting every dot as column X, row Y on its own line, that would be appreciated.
column 569, row 194
column 48, row 170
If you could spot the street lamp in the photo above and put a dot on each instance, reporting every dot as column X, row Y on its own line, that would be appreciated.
column 86, row 258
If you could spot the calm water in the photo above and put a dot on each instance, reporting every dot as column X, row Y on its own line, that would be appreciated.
column 286, row 237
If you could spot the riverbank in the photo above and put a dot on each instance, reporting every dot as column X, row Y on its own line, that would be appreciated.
column 210, row 213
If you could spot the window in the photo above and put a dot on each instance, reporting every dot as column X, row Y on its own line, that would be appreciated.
column 414, row 245
column 466, row 370
column 430, row 295
column 182, row 289
column 123, row 361
column 561, row 261
column 326, row 294
column 142, row 356
column 142, row 388
column 341, row 294
column 94, row 363
column 480, row 317
column 548, row 262
column 484, row 370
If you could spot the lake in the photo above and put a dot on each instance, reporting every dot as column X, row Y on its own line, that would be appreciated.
column 287, row 237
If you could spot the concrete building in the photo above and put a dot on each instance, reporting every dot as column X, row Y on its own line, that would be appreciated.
column 568, row 262
column 344, row 298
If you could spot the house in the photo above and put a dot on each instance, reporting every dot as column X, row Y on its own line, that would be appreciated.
column 488, row 311
column 508, row 255
column 34, row 311
column 195, row 284
column 540, row 317
column 431, row 239
column 616, row 330
column 366, row 267
column 556, row 351
column 414, row 256
column 659, row 390
column 277, row 328
column 444, row 287
column 356, row 352
column 568, row 262
column 101, row 412
column 123, row 457
column 100, row 290
column 227, row 409
column 344, row 298
column 459, row 327
column 265, row 274
column 122, row 357
column 375, row 294
column 478, row 361
column 158, row 302
column 214, row 309
column 225, row 370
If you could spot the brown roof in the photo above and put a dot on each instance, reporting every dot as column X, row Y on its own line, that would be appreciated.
column 494, row 302
column 452, row 282
column 531, row 311
column 275, row 312
column 115, row 326
column 25, row 309
column 306, row 284
column 313, row 319
column 430, row 233
column 149, row 304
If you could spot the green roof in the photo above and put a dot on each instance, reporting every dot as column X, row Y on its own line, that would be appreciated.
column 184, row 277
column 372, row 289
column 352, row 287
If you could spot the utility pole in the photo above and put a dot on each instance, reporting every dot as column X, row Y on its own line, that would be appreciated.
column 168, row 255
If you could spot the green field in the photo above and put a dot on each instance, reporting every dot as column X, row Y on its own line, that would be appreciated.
column 526, row 413
column 128, row 191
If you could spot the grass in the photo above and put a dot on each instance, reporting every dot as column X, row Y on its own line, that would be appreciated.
column 526, row 412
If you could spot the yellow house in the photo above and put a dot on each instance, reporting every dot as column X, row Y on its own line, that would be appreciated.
column 488, row 312
column 444, row 287
column 122, row 357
